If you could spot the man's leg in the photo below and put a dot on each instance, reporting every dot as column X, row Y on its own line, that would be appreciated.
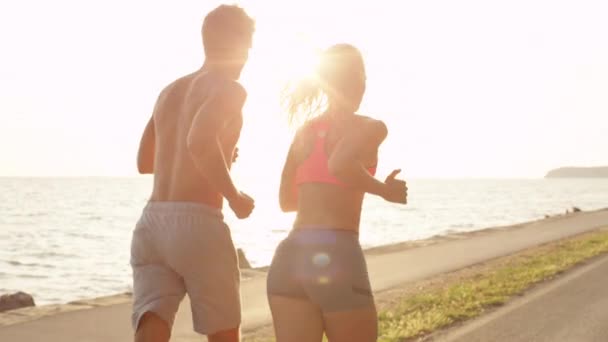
column 157, row 289
column 152, row 329
column 232, row 335
column 212, row 279
column 156, row 301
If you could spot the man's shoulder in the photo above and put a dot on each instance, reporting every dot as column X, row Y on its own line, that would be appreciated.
column 231, row 89
column 221, row 87
column 216, row 94
column 173, row 87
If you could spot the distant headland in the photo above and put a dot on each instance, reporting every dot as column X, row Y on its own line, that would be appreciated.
column 579, row 172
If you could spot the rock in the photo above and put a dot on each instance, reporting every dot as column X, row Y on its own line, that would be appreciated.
column 243, row 262
column 576, row 209
column 16, row 301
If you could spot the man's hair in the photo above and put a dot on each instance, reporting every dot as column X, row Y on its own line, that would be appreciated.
column 226, row 29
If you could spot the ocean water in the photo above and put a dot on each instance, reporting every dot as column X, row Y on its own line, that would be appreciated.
column 63, row 239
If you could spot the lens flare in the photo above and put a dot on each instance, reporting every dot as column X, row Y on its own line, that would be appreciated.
column 321, row 259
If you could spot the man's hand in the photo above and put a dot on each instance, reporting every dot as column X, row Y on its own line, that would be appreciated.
column 242, row 205
column 235, row 154
column 395, row 189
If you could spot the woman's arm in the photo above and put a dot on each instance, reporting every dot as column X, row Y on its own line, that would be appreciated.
column 345, row 159
column 345, row 162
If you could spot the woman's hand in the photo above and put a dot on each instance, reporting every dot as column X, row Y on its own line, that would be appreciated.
column 395, row 190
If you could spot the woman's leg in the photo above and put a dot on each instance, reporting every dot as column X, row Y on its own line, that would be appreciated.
column 296, row 320
column 344, row 293
column 360, row 325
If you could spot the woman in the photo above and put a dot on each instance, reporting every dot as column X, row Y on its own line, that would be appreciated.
column 318, row 281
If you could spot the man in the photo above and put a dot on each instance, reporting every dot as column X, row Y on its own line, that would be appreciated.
column 181, row 243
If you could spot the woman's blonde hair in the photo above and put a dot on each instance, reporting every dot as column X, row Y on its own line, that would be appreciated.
column 310, row 96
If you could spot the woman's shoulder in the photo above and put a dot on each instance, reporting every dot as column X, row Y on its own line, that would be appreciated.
column 367, row 123
column 304, row 134
column 366, row 119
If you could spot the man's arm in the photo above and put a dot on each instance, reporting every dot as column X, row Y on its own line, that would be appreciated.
column 203, row 139
column 145, row 155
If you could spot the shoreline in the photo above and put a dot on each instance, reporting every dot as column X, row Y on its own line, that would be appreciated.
column 78, row 249
column 33, row 313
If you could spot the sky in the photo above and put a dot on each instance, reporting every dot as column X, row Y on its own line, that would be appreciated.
column 468, row 88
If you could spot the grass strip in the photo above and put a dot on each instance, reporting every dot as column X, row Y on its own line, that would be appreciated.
column 428, row 311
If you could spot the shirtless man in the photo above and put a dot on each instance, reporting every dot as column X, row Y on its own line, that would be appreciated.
column 181, row 243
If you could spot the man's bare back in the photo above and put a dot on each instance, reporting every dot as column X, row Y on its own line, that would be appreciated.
column 181, row 243
column 176, row 175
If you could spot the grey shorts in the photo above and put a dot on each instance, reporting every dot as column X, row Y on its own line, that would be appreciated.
column 324, row 266
column 180, row 248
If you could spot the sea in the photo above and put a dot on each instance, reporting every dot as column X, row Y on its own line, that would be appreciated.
column 64, row 239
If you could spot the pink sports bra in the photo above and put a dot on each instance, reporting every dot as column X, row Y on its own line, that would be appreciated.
column 315, row 168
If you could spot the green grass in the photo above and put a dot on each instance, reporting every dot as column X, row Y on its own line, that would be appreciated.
column 467, row 297
column 434, row 309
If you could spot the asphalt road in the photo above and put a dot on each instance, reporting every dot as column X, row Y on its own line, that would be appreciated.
column 571, row 309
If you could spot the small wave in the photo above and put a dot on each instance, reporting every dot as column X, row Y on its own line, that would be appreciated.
column 28, row 215
column 462, row 225
column 31, row 276
column 51, row 255
column 28, row 264
column 95, row 218
column 38, row 214
column 85, row 235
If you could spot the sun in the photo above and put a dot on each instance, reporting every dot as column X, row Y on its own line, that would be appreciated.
column 299, row 58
